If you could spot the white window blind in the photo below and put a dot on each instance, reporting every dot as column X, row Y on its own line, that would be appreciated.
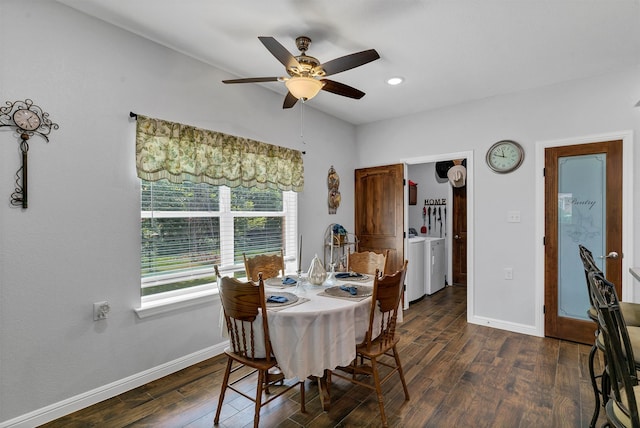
column 186, row 228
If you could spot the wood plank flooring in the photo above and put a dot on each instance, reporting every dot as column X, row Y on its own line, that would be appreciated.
column 458, row 374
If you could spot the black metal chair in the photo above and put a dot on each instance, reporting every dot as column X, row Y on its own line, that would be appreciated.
column 622, row 405
column 598, row 391
column 631, row 314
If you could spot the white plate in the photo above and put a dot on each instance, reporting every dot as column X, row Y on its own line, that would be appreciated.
column 277, row 282
column 291, row 298
column 363, row 291
column 363, row 277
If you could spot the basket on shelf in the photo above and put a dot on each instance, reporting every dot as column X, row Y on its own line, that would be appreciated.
column 339, row 234
column 337, row 244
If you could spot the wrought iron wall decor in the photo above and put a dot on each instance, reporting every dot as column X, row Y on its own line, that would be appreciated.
column 28, row 119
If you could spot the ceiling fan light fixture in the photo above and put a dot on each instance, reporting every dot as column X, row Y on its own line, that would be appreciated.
column 304, row 88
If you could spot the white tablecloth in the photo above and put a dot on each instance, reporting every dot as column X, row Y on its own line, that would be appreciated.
column 319, row 334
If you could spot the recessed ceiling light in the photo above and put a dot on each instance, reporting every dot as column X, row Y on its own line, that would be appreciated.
column 395, row 80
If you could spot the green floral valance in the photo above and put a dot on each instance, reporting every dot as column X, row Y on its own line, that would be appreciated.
column 180, row 152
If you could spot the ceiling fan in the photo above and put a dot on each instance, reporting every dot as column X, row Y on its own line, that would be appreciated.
column 307, row 75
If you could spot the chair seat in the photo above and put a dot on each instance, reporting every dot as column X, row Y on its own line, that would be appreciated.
column 613, row 409
column 630, row 313
column 259, row 363
column 634, row 336
column 377, row 348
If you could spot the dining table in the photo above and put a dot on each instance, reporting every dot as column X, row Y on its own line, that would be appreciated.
column 318, row 327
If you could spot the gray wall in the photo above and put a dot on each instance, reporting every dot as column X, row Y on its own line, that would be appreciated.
column 78, row 242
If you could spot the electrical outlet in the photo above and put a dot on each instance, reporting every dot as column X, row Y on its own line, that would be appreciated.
column 101, row 310
column 508, row 273
column 513, row 216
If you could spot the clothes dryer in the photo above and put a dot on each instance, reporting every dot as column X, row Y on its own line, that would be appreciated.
column 435, row 265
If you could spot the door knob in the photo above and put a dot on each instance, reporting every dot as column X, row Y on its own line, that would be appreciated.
column 457, row 236
column 611, row 255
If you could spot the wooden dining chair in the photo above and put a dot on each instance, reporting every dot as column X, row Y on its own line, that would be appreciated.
column 368, row 262
column 622, row 406
column 245, row 312
column 379, row 345
column 271, row 265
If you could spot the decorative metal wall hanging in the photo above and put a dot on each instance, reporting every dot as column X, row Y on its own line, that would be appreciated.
column 28, row 119
column 333, row 183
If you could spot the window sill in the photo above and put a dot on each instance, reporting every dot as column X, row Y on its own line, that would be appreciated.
column 168, row 304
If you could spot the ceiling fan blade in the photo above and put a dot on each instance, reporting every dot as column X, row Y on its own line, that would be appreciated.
column 341, row 89
column 252, row 80
column 279, row 51
column 289, row 100
column 348, row 62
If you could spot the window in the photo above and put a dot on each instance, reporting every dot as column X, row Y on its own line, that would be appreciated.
column 187, row 228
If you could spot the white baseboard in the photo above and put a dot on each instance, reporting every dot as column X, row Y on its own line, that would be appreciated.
column 89, row 398
column 508, row 326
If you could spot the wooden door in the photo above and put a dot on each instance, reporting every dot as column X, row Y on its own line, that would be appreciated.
column 379, row 211
column 459, row 241
column 583, row 205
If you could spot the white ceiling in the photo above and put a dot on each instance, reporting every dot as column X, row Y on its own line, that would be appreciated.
column 449, row 51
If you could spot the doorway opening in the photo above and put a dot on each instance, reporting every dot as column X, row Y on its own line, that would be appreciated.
column 420, row 217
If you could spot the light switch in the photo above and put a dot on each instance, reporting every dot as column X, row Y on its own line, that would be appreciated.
column 508, row 273
column 513, row 216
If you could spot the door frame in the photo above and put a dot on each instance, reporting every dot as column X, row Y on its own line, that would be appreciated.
column 627, row 214
column 470, row 216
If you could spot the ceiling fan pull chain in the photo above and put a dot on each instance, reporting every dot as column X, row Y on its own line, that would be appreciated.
column 302, row 123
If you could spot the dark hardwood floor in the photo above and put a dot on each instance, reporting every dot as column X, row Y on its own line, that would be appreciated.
column 458, row 374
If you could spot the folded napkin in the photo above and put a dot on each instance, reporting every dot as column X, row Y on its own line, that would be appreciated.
column 348, row 275
column 289, row 281
column 352, row 290
column 277, row 299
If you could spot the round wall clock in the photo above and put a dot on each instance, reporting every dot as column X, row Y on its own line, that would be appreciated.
column 26, row 119
column 505, row 156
